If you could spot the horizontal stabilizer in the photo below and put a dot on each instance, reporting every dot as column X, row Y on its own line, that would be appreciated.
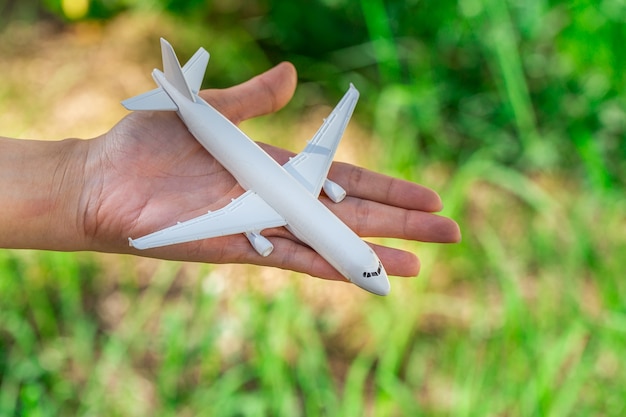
column 194, row 69
column 153, row 100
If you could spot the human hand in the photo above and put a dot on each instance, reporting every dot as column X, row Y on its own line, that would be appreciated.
column 149, row 172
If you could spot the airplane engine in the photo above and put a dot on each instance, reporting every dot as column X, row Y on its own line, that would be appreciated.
column 260, row 243
column 334, row 191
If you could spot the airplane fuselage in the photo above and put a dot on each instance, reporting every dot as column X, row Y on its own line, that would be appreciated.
column 307, row 218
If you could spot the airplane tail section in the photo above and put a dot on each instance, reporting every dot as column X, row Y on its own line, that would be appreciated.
column 172, row 70
column 187, row 80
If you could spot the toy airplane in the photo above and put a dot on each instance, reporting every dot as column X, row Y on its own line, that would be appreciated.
column 275, row 195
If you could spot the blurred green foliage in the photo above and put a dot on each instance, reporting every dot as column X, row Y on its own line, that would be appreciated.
column 513, row 110
column 517, row 326
column 536, row 85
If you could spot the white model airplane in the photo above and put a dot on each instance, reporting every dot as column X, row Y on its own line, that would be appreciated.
column 275, row 195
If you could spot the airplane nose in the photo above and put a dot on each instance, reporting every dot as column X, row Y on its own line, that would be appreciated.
column 379, row 285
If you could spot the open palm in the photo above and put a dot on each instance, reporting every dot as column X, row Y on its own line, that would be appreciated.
column 150, row 173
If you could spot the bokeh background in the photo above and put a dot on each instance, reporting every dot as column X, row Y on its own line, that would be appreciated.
column 515, row 111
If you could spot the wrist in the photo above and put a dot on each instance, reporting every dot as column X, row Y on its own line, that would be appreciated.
column 41, row 187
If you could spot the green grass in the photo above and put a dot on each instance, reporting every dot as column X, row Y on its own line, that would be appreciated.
column 532, row 326
column 514, row 112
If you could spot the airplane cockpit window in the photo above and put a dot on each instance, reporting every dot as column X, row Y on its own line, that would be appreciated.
column 375, row 273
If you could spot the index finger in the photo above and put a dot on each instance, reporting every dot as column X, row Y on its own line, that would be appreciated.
column 362, row 183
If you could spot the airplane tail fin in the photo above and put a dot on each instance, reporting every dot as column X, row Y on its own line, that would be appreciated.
column 187, row 80
column 172, row 70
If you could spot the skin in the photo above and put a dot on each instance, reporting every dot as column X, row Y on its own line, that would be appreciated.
column 148, row 172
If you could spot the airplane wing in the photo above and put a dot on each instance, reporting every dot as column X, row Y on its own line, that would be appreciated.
column 247, row 213
column 310, row 167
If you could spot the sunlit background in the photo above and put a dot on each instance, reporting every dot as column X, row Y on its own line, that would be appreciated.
column 515, row 111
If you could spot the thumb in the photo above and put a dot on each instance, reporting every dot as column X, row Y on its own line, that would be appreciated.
column 263, row 94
